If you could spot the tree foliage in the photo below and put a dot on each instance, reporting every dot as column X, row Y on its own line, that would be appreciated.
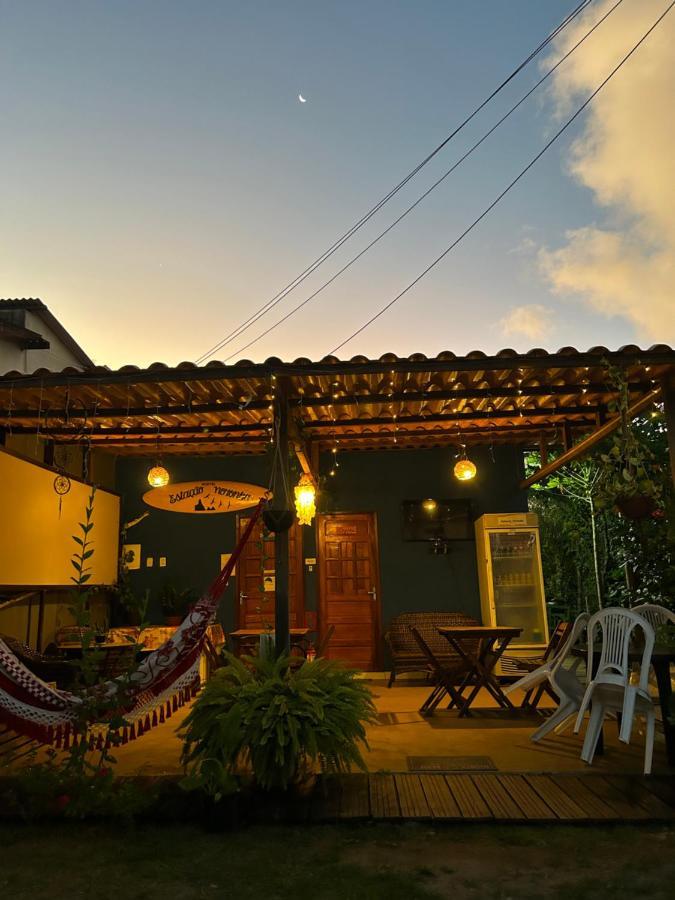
column 634, row 560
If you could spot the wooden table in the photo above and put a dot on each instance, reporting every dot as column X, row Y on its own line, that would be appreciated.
column 662, row 657
column 490, row 643
column 243, row 636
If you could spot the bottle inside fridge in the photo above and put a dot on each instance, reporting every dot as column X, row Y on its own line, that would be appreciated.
column 516, row 583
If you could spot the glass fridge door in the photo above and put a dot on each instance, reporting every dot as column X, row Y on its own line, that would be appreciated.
column 517, row 584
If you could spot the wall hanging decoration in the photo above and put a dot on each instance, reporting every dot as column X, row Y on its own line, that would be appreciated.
column 61, row 488
column 305, row 500
column 204, row 497
column 131, row 556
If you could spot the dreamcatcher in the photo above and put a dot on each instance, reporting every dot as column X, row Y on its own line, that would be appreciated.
column 61, row 488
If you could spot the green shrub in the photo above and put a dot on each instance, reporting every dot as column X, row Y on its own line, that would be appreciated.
column 276, row 722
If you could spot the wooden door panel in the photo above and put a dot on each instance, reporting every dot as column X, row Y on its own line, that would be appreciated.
column 255, row 608
column 349, row 587
column 350, row 610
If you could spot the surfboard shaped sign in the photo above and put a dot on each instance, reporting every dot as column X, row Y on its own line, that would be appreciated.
column 205, row 498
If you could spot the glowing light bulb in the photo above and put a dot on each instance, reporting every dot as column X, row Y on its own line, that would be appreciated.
column 464, row 470
column 158, row 477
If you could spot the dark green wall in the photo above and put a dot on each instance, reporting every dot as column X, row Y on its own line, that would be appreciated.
column 411, row 577
column 192, row 544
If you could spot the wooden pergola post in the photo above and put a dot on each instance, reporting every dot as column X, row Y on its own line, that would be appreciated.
column 282, row 640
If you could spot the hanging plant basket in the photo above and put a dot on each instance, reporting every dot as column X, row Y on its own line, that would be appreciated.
column 635, row 506
column 278, row 520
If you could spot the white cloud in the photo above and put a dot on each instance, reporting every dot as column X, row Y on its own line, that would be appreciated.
column 625, row 156
column 533, row 322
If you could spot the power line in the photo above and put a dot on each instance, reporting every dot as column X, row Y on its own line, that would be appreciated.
column 509, row 186
column 423, row 196
column 367, row 216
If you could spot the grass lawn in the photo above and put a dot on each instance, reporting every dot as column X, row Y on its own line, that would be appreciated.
column 366, row 862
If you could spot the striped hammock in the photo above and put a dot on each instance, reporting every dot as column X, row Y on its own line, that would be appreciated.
column 167, row 679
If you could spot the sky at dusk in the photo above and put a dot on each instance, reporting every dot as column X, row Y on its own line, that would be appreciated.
column 160, row 179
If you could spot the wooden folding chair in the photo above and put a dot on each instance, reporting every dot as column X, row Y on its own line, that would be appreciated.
column 444, row 677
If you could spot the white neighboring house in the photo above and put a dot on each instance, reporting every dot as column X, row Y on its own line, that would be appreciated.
column 32, row 338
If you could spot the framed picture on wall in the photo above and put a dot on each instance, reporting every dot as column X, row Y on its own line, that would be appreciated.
column 131, row 554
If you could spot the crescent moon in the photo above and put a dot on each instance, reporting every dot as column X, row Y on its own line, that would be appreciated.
column 302, row 99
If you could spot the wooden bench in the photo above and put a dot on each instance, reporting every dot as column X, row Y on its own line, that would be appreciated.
column 406, row 655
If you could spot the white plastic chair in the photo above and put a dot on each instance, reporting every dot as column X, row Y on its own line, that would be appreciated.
column 656, row 615
column 609, row 689
column 563, row 680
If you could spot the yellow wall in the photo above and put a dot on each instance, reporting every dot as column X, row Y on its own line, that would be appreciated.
column 36, row 542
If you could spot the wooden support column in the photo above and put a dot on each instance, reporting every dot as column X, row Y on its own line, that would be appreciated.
column 567, row 436
column 282, row 476
column 41, row 622
column 669, row 408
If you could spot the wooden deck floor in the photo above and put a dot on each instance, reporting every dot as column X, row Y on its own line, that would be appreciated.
column 495, row 797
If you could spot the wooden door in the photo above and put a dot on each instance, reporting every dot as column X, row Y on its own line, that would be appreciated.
column 255, row 570
column 349, row 587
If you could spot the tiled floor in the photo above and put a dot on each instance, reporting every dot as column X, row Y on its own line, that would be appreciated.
column 401, row 732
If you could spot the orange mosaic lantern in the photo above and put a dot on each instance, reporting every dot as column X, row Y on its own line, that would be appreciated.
column 158, row 477
column 464, row 469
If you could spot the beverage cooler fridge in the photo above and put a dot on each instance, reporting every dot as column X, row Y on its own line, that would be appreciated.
column 511, row 580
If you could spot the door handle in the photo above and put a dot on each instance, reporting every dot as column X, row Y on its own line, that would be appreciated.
column 242, row 598
column 373, row 593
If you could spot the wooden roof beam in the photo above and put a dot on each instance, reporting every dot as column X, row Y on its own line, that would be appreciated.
column 76, row 413
column 152, row 431
column 554, row 390
column 591, row 440
column 439, row 418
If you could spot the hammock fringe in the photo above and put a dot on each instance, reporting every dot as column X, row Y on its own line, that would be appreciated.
column 164, row 682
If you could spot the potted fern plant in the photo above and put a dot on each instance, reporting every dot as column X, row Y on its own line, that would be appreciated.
column 273, row 725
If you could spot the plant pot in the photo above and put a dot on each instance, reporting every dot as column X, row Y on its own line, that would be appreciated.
column 173, row 621
column 635, row 506
column 278, row 520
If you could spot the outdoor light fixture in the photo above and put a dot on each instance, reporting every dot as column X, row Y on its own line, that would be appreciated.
column 305, row 500
column 464, row 469
column 158, row 477
column 429, row 506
